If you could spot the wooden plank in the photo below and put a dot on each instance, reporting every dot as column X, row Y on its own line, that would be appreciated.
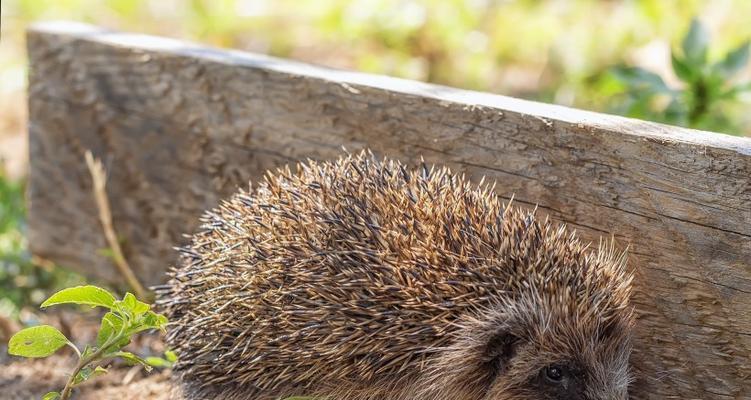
column 179, row 126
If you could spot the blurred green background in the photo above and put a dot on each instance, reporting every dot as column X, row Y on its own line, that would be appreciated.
column 603, row 55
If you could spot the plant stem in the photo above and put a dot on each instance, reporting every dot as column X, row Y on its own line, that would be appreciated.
column 700, row 104
column 73, row 346
column 82, row 362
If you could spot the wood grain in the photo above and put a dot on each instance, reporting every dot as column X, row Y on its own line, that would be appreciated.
column 179, row 126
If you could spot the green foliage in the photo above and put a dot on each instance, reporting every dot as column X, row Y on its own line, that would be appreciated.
column 707, row 87
column 124, row 319
column 544, row 50
column 37, row 342
column 22, row 280
column 162, row 362
column 87, row 295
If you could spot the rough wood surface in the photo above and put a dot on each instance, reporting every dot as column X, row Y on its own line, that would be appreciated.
column 180, row 126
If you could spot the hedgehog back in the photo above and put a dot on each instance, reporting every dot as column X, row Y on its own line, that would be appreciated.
column 349, row 271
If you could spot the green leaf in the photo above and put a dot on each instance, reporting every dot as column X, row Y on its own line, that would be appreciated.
column 132, row 359
column 695, row 43
column 87, row 373
column 88, row 295
column 87, row 351
column 167, row 362
column 734, row 61
column 154, row 320
column 713, row 85
column 734, row 91
column 111, row 325
column 99, row 370
column 133, row 305
column 36, row 342
column 51, row 396
column 640, row 79
column 683, row 70
column 82, row 375
column 170, row 356
column 158, row 362
column 675, row 112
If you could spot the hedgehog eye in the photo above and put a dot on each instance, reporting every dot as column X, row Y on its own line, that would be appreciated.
column 555, row 374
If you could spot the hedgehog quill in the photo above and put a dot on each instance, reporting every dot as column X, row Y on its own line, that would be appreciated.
column 363, row 279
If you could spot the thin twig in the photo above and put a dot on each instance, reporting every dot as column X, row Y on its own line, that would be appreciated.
column 99, row 179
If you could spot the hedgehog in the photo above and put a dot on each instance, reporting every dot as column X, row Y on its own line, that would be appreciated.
column 363, row 279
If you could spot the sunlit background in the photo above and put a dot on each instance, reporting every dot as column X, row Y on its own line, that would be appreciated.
column 580, row 53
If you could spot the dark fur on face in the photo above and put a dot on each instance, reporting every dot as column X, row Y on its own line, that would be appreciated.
column 525, row 350
column 362, row 279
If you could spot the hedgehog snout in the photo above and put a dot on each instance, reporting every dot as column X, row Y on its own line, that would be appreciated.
column 505, row 354
column 563, row 368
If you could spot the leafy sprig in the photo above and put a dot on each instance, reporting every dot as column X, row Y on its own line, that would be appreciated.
column 706, row 85
column 124, row 319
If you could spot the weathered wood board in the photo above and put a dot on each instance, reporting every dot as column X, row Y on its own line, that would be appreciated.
column 180, row 126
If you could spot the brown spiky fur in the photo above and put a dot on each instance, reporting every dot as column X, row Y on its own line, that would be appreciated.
column 362, row 279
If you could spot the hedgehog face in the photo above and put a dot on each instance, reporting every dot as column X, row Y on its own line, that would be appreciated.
column 548, row 354
column 550, row 366
column 531, row 351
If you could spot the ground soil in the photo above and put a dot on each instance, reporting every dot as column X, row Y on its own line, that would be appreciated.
column 31, row 378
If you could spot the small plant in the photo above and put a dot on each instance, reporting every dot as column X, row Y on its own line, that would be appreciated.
column 124, row 319
column 706, row 86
